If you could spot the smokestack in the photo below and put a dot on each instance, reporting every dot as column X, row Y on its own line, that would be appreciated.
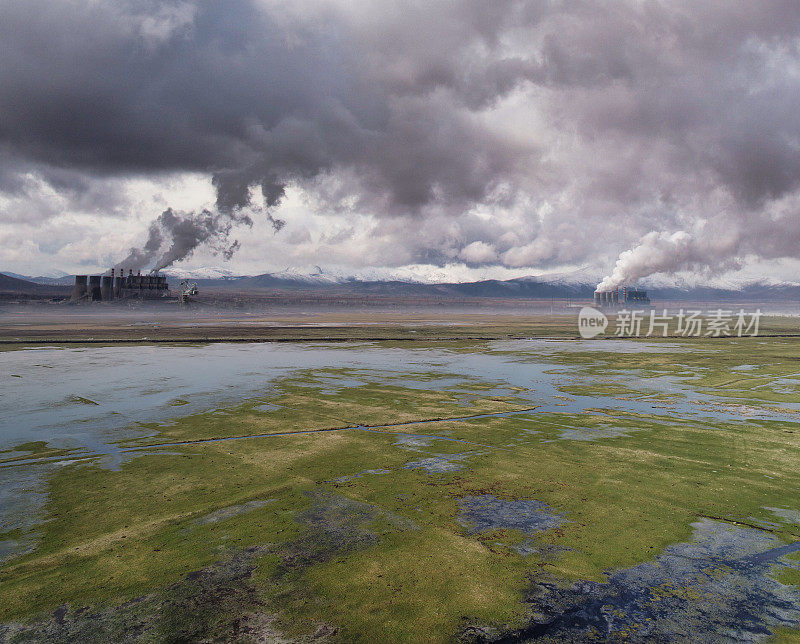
column 107, row 288
column 95, row 290
column 79, row 290
column 597, row 298
column 615, row 297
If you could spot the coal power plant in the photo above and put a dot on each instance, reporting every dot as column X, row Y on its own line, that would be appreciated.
column 621, row 297
column 107, row 288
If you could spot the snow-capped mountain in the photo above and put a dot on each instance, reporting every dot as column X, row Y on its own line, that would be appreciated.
column 203, row 273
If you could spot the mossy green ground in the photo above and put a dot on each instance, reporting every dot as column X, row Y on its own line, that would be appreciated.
column 406, row 569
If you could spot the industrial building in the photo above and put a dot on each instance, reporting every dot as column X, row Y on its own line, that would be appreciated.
column 106, row 288
column 621, row 297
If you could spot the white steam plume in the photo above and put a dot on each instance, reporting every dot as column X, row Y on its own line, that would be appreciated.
column 660, row 252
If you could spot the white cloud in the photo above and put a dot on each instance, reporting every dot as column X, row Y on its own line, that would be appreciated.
column 478, row 252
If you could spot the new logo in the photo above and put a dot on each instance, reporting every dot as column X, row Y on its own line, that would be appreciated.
column 591, row 322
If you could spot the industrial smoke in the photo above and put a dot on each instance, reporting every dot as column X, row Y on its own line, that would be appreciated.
column 708, row 250
column 173, row 236
column 655, row 253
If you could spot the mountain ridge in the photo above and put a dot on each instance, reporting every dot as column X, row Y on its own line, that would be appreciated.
column 528, row 287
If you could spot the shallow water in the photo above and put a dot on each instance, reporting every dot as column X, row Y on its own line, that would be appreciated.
column 89, row 399
column 719, row 587
column 439, row 463
column 485, row 512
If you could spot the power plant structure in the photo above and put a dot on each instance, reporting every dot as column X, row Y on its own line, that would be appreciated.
column 187, row 290
column 621, row 297
column 106, row 288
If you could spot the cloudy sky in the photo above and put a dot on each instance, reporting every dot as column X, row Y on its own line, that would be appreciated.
column 440, row 139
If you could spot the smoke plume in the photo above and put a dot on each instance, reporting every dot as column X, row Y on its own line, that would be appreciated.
column 174, row 236
column 657, row 253
column 714, row 246
column 141, row 258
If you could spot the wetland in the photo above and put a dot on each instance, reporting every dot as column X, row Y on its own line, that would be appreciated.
column 561, row 489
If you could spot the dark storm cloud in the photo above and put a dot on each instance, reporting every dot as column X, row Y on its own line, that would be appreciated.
column 253, row 101
column 82, row 86
column 673, row 122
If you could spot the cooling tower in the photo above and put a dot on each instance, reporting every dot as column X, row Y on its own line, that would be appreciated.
column 79, row 290
column 107, row 288
column 95, row 290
